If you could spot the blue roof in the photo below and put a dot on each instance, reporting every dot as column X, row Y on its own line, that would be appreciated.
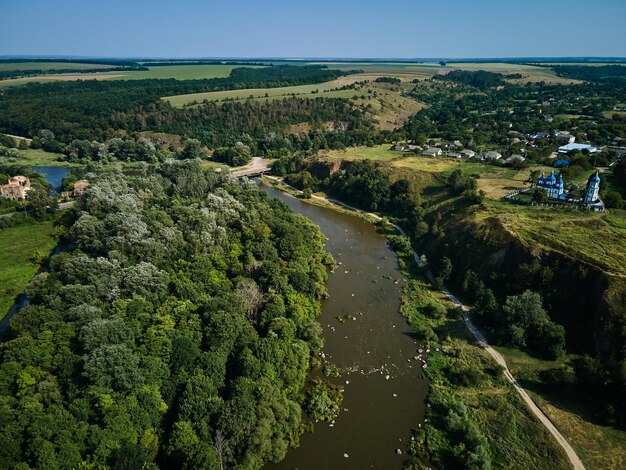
column 562, row 162
column 595, row 177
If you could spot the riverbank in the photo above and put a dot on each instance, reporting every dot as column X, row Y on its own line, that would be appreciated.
column 556, row 448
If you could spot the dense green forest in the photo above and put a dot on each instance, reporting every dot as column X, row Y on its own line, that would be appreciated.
column 177, row 329
column 95, row 109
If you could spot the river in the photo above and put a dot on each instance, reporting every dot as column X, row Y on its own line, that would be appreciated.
column 53, row 175
column 384, row 390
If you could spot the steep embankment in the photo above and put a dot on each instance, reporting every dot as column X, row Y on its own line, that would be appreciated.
column 580, row 292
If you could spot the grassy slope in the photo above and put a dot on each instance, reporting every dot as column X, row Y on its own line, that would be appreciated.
column 516, row 439
column 598, row 446
column 598, row 238
column 17, row 245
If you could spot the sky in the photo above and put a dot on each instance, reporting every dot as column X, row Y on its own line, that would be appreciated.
column 319, row 28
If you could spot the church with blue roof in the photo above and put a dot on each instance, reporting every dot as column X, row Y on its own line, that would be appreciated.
column 554, row 186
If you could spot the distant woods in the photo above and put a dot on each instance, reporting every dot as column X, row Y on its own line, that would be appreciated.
column 93, row 109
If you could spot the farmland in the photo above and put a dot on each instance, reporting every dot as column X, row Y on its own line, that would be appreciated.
column 178, row 72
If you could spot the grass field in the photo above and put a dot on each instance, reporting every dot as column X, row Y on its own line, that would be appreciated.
column 17, row 245
column 37, row 157
column 182, row 72
column 378, row 153
column 597, row 238
column 179, row 72
column 530, row 73
column 264, row 93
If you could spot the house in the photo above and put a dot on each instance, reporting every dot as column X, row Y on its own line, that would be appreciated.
column 457, row 144
column 572, row 146
column 432, row 152
column 412, row 148
column 455, row 155
column 565, row 136
column 492, row 155
column 468, row 153
column 514, row 158
column 16, row 188
column 561, row 163
column 79, row 189
column 399, row 148
column 540, row 135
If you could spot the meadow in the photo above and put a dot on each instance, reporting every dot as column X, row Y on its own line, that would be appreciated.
column 178, row 72
column 599, row 238
column 37, row 157
column 17, row 246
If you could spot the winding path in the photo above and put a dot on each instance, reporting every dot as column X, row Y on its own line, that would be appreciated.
column 482, row 341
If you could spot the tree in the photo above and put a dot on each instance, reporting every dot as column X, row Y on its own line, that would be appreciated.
column 40, row 202
column 443, row 272
column 114, row 366
column 613, row 200
column 193, row 149
column 540, row 195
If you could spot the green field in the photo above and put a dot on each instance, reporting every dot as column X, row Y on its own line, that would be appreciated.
column 37, row 157
column 598, row 238
column 17, row 246
column 179, row 72
column 378, row 152
column 319, row 89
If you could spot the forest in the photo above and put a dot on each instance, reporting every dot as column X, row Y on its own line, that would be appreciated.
column 176, row 328
column 95, row 109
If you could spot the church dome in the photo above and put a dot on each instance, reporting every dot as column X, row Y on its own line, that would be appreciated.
column 595, row 178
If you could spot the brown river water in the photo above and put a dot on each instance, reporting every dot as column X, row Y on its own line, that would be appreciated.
column 384, row 388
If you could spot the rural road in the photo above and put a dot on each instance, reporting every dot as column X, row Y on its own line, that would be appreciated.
column 480, row 338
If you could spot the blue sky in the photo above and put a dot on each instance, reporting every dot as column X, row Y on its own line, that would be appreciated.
column 320, row 28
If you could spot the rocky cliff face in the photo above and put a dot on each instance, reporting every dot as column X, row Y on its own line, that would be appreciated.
column 590, row 304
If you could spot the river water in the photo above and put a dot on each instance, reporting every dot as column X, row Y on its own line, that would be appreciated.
column 384, row 390
column 53, row 175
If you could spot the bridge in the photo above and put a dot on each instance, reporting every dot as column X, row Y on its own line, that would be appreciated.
column 257, row 167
